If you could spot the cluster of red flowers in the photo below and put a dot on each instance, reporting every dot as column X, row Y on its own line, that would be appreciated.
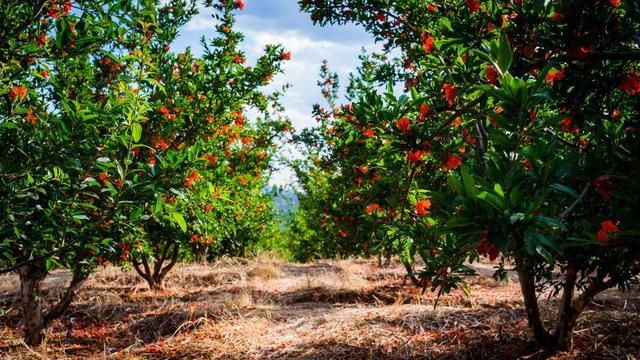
column 403, row 124
column 238, row 118
column 567, row 125
column 422, row 207
column 487, row 249
column 449, row 92
column 17, row 92
column 603, row 186
column 192, row 178
column 630, row 83
column 474, row 5
column 195, row 238
column 607, row 227
column 212, row 159
column 428, row 42
column 166, row 113
column 451, row 162
column 415, row 156
column 55, row 10
column 368, row 133
column 492, row 74
column 125, row 248
column 372, row 208
column 554, row 75
column 423, row 112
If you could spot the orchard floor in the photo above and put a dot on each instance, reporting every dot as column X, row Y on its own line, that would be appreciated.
column 264, row 309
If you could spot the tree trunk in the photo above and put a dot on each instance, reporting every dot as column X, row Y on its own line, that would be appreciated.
column 409, row 267
column 200, row 251
column 528, row 287
column 155, row 275
column 571, row 308
column 31, row 277
column 156, row 283
column 387, row 260
column 567, row 315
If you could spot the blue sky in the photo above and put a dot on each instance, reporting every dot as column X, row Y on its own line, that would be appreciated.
column 279, row 22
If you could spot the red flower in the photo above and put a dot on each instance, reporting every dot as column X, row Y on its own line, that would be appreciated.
column 567, row 125
column 449, row 92
column 403, row 124
column 424, row 111
column 415, row 156
column 363, row 169
column 240, row 4
column 603, row 186
column 368, row 133
column 164, row 111
column 487, row 249
column 239, row 121
column 17, row 92
column 606, row 227
column 557, row 17
column 422, row 207
column 372, row 208
column 630, row 83
column 492, row 74
column 208, row 207
column 452, row 162
column 428, row 44
column 474, row 5
column 555, row 75
column 286, row 56
column 193, row 176
column 380, row 17
column 152, row 161
column 67, row 6
column 615, row 114
column 212, row 159
column 615, row 3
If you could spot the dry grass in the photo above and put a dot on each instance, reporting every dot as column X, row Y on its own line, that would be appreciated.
column 265, row 309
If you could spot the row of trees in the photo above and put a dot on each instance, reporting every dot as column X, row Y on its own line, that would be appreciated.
column 515, row 139
column 118, row 150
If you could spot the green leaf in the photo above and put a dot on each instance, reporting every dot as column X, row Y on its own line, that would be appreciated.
column 505, row 56
column 179, row 219
column 157, row 208
column 565, row 189
column 459, row 221
column 136, row 132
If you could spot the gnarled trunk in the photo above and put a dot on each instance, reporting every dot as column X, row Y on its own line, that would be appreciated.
column 200, row 251
column 31, row 277
column 569, row 308
column 156, row 272
column 35, row 319
column 528, row 287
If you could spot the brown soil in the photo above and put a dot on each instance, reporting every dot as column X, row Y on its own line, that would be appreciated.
column 265, row 309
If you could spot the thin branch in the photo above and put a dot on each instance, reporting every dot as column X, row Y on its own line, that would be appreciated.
column 453, row 117
column 573, row 206
column 59, row 309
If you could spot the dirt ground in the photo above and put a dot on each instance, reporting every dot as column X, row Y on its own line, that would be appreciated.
column 265, row 309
